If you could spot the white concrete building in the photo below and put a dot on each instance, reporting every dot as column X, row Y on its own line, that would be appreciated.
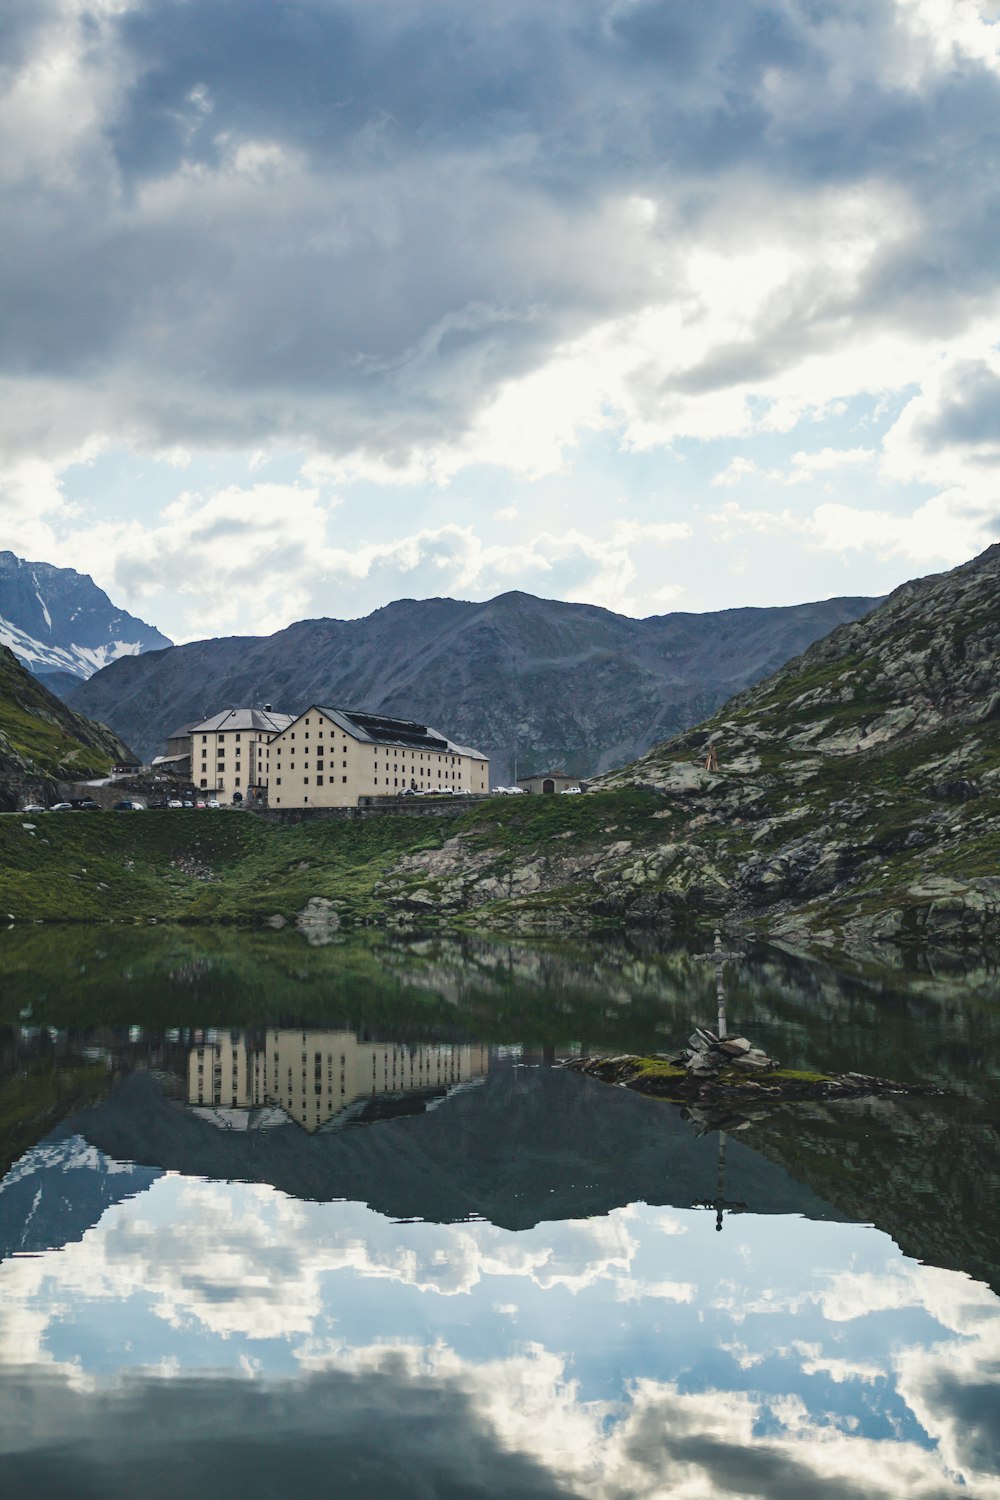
column 330, row 757
column 229, row 751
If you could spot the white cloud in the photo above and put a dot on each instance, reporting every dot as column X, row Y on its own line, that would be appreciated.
column 384, row 267
column 946, row 529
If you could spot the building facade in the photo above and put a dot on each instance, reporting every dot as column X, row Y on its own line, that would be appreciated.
column 330, row 757
column 548, row 782
column 229, row 752
column 312, row 1076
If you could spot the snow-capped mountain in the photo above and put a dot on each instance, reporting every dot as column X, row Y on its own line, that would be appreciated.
column 58, row 620
column 59, row 1189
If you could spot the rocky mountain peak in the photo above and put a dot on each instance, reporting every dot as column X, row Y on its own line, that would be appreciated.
column 57, row 620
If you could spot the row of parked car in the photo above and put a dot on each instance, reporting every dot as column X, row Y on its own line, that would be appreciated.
column 127, row 804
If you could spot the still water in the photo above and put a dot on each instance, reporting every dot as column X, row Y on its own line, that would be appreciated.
column 289, row 1221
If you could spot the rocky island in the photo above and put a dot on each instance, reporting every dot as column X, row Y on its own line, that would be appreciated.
column 712, row 1071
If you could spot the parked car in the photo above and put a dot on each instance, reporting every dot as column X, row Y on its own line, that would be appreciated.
column 84, row 804
column 212, row 802
column 34, row 807
column 62, row 807
column 128, row 804
column 158, row 802
column 175, row 802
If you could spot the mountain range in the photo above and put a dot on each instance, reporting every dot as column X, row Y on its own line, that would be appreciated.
column 536, row 684
column 58, row 622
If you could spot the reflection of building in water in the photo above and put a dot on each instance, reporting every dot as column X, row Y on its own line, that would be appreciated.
column 313, row 1075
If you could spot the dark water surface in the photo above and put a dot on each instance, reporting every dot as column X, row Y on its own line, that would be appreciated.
column 280, row 1221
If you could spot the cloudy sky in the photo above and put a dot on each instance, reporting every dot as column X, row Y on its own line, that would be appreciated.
column 313, row 304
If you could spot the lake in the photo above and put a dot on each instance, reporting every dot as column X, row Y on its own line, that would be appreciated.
column 290, row 1220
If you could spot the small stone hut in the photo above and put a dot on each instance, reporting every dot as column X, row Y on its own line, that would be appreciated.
column 550, row 781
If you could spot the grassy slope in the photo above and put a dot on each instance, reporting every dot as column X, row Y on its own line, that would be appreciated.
column 193, row 865
column 41, row 737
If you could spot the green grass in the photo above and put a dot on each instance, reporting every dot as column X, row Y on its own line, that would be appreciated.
column 192, row 865
column 44, row 733
column 34, row 1098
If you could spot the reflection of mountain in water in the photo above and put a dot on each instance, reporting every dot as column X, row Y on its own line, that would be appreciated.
column 534, row 1144
column 58, row 1189
column 921, row 1170
column 530, row 1144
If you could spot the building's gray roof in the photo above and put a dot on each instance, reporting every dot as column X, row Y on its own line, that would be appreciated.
column 548, row 776
column 182, row 733
column 243, row 718
column 378, row 729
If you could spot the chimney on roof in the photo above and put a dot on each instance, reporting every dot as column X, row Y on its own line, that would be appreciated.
column 267, row 708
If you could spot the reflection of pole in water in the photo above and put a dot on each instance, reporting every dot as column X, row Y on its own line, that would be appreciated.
column 720, row 1181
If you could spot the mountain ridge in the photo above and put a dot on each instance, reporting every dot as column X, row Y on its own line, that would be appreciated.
column 524, row 679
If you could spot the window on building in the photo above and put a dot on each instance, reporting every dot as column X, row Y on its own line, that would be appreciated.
column 319, row 781
column 277, row 781
column 305, row 781
column 204, row 781
column 204, row 739
column 237, row 782
column 343, row 778
column 238, row 739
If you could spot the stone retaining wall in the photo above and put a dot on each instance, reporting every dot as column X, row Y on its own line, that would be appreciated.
column 402, row 807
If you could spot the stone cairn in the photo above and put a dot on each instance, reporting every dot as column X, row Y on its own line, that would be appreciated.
column 707, row 1054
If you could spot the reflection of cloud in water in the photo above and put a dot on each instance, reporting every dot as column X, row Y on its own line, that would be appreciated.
column 633, row 1355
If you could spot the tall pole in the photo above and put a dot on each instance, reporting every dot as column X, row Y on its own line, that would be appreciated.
column 720, row 989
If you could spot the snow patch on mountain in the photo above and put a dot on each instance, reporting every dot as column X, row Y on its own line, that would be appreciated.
column 82, row 661
column 58, row 620
column 73, row 1154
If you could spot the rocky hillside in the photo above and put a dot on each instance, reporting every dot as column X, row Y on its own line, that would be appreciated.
column 856, row 798
column 859, row 787
column 58, row 621
column 43, row 742
column 535, row 681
